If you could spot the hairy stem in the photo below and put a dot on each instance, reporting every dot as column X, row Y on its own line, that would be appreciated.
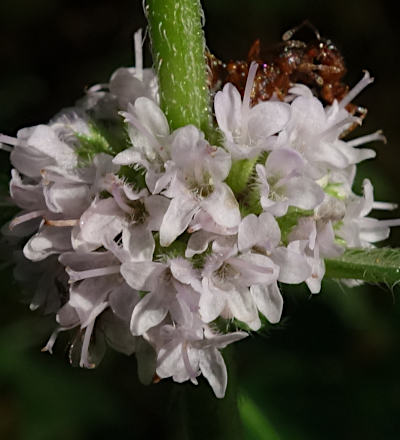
column 178, row 46
column 371, row 265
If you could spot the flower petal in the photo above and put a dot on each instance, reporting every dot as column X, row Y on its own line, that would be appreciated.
column 266, row 119
column 148, row 313
column 222, row 206
column 177, row 218
column 269, row 301
column 213, row 368
column 49, row 240
column 293, row 266
column 138, row 240
column 228, row 109
column 140, row 275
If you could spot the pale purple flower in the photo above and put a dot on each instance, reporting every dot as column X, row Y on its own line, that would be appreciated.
column 135, row 214
column 226, row 281
column 149, row 133
column 356, row 228
column 262, row 234
column 248, row 131
column 282, row 183
column 164, row 282
column 96, row 284
column 191, row 349
column 197, row 172
column 314, row 132
column 316, row 241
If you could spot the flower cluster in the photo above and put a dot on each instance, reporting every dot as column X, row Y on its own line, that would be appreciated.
column 164, row 245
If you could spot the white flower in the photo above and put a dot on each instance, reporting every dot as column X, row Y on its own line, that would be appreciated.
column 128, row 84
column 164, row 282
column 282, row 183
column 262, row 234
column 134, row 214
column 149, row 133
column 315, row 240
column 356, row 228
column 96, row 285
column 314, row 132
column 197, row 171
column 226, row 281
column 248, row 131
column 192, row 349
column 39, row 147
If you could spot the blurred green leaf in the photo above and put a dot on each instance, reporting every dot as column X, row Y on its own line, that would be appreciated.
column 256, row 424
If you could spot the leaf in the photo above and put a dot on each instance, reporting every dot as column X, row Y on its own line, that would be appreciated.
column 256, row 425
column 372, row 265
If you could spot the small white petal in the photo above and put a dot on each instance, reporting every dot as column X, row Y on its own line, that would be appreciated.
column 266, row 119
column 222, row 206
column 177, row 218
column 213, row 368
column 139, row 242
column 269, row 301
column 228, row 108
column 148, row 313
column 140, row 275
column 293, row 266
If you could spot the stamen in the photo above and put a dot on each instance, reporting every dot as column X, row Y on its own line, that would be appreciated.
column 9, row 141
column 356, row 89
column 5, row 148
column 138, row 54
column 389, row 223
column 247, row 97
column 377, row 136
column 333, row 129
column 61, row 223
column 75, row 276
column 385, row 206
column 84, row 362
column 25, row 217
column 53, row 337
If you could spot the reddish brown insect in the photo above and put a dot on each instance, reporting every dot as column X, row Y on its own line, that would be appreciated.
column 317, row 64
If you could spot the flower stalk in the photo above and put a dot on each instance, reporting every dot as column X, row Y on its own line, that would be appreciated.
column 178, row 45
column 370, row 265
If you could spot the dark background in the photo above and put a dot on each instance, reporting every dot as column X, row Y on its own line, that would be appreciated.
column 330, row 370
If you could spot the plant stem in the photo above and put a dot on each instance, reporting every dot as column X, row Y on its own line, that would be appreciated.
column 178, row 46
column 371, row 265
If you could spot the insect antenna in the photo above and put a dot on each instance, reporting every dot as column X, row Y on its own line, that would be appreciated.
column 306, row 23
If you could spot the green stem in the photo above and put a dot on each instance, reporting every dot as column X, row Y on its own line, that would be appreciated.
column 371, row 265
column 198, row 415
column 178, row 46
